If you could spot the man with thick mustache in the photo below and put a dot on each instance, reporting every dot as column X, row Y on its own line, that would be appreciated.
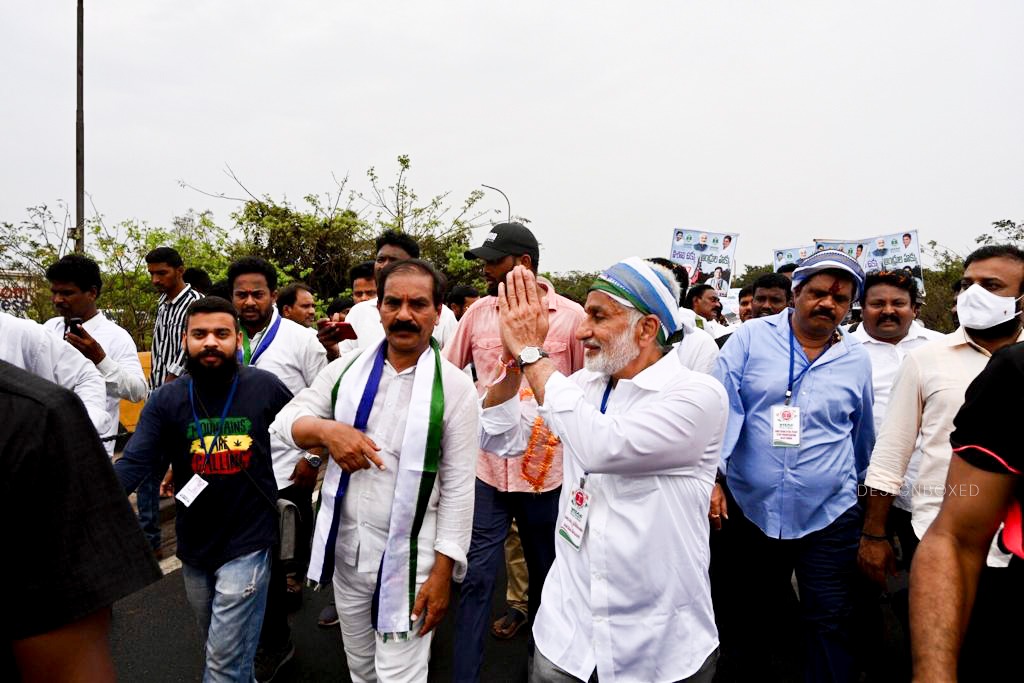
column 212, row 427
column 926, row 395
column 400, row 424
column 800, row 432
column 524, row 488
column 627, row 598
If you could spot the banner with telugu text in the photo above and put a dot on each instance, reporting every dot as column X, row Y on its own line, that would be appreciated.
column 709, row 257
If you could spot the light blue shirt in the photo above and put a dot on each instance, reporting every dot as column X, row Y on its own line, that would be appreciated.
column 790, row 492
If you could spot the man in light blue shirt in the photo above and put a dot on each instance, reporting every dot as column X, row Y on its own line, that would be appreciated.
column 799, row 437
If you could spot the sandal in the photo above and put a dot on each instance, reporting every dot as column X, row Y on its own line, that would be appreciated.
column 507, row 627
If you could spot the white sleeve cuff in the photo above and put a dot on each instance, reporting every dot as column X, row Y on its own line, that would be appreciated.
column 499, row 419
column 457, row 554
column 108, row 367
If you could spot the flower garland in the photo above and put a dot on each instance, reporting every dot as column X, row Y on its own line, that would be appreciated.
column 537, row 434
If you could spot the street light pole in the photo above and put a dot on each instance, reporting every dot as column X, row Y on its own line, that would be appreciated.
column 80, row 145
column 503, row 195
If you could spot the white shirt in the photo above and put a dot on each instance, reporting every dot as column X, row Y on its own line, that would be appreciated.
column 31, row 347
column 366, row 508
column 635, row 601
column 885, row 362
column 365, row 320
column 295, row 356
column 926, row 396
column 121, row 370
column 698, row 351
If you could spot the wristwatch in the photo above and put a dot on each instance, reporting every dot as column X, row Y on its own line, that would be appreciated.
column 314, row 460
column 530, row 354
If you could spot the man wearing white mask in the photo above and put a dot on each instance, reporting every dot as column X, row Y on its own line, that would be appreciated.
column 928, row 391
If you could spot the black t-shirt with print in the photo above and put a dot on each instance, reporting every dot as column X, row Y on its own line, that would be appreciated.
column 236, row 513
column 987, row 430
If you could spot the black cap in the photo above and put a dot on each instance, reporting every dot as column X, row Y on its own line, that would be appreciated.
column 506, row 239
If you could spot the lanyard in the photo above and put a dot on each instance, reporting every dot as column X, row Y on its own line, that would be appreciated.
column 223, row 416
column 792, row 355
column 604, row 407
column 249, row 358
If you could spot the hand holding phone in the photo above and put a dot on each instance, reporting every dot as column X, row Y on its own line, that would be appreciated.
column 333, row 331
column 74, row 326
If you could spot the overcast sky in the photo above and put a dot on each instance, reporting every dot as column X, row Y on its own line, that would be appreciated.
column 607, row 124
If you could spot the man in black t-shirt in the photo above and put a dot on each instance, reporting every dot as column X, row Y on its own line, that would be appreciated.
column 61, row 510
column 211, row 427
column 984, row 487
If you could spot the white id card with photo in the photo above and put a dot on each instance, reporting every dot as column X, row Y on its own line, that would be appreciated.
column 192, row 490
column 574, row 523
column 785, row 426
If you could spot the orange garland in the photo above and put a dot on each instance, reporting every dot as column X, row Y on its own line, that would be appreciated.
column 550, row 443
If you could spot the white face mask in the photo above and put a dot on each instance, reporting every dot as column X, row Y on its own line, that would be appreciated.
column 979, row 309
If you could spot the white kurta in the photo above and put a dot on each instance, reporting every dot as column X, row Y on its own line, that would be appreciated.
column 121, row 370
column 634, row 602
column 31, row 347
column 366, row 511
column 295, row 356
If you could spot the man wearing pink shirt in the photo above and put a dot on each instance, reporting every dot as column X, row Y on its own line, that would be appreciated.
column 523, row 488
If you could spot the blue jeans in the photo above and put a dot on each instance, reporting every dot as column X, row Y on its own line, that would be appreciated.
column 825, row 564
column 228, row 603
column 536, row 515
column 147, row 497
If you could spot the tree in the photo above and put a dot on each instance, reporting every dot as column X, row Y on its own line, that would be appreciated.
column 320, row 243
column 574, row 284
column 750, row 274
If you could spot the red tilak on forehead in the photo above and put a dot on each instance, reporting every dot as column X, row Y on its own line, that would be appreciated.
column 834, row 289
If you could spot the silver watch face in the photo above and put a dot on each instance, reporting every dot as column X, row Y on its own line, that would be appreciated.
column 531, row 354
column 314, row 460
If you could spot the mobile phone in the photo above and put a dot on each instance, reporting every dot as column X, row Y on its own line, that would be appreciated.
column 75, row 326
column 334, row 327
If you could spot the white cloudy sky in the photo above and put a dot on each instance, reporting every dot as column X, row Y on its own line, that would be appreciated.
column 607, row 124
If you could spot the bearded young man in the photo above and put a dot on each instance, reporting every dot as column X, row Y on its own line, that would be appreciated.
column 400, row 424
column 641, row 436
column 293, row 354
column 211, row 426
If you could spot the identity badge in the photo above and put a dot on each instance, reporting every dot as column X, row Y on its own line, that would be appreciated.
column 785, row 426
column 574, row 523
column 192, row 490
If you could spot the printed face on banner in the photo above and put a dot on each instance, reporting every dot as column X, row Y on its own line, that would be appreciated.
column 709, row 257
column 792, row 255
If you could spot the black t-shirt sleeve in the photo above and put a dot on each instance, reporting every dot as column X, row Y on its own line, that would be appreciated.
column 987, row 429
column 73, row 545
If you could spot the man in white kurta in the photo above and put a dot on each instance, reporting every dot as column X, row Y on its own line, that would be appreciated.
column 628, row 597
column 31, row 347
column 368, row 505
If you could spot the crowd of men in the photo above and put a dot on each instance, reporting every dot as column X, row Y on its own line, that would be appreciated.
column 675, row 498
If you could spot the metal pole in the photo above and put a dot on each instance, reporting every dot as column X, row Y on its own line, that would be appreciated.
column 80, row 144
column 503, row 195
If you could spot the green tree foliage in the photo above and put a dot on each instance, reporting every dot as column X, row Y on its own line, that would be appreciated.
column 321, row 242
column 573, row 284
column 750, row 274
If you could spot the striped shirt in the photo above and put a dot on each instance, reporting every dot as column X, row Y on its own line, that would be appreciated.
column 168, row 351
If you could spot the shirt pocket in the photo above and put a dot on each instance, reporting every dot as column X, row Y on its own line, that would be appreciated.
column 558, row 351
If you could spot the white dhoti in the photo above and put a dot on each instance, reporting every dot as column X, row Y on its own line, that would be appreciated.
column 370, row 659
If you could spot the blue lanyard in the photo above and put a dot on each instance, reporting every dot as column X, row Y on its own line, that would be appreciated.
column 792, row 355
column 223, row 416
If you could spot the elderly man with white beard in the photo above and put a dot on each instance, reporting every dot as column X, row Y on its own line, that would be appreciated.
column 641, row 437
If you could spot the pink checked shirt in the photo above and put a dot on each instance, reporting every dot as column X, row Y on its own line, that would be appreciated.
column 478, row 340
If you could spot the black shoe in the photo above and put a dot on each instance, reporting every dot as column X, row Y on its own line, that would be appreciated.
column 270, row 661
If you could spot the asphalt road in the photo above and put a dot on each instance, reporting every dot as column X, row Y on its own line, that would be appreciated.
column 155, row 639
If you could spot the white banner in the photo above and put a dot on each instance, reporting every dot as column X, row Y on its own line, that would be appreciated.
column 709, row 257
